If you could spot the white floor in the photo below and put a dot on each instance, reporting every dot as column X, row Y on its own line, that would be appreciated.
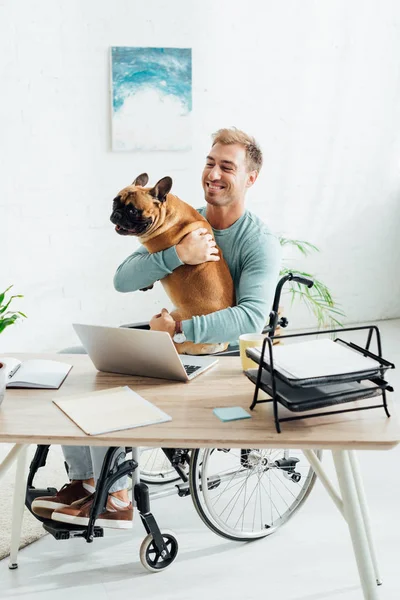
column 310, row 558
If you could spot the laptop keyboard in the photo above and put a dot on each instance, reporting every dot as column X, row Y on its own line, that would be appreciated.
column 191, row 368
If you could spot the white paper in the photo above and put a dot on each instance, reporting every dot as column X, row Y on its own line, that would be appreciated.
column 318, row 358
column 11, row 364
column 35, row 373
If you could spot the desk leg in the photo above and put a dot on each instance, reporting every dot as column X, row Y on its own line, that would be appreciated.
column 10, row 458
column 364, row 511
column 18, row 506
column 355, row 523
column 323, row 477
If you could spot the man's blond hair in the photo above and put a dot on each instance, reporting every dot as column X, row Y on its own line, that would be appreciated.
column 254, row 156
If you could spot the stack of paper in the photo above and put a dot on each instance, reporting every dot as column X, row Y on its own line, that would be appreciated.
column 110, row 410
column 318, row 358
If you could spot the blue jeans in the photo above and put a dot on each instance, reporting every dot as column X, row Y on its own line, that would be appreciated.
column 85, row 462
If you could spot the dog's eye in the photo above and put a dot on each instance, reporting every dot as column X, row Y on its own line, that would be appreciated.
column 132, row 211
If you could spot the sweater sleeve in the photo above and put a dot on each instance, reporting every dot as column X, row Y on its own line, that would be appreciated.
column 255, row 291
column 141, row 269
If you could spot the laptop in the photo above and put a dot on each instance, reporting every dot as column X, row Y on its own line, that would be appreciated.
column 139, row 352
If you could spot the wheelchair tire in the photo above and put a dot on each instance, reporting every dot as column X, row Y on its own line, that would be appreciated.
column 247, row 494
column 149, row 556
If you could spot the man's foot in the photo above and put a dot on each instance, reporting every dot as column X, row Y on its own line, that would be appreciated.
column 118, row 514
column 43, row 506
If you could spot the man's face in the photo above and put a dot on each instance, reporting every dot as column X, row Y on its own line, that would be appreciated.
column 226, row 177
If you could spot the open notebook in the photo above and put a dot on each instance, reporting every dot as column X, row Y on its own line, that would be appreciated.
column 110, row 410
column 318, row 358
column 35, row 373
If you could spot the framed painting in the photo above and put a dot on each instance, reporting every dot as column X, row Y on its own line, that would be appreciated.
column 151, row 98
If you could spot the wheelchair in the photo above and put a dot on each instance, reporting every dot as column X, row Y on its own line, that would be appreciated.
column 240, row 494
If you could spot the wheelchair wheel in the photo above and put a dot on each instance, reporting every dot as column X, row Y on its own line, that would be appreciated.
column 246, row 494
column 155, row 467
column 150, row 557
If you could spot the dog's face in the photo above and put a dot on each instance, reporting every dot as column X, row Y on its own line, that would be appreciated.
column 138, row 210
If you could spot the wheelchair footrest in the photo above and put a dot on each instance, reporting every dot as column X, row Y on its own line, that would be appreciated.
column 33, row 493
column 62, row 531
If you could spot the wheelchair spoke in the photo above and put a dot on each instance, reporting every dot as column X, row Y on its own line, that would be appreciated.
column 234, row 497
column 273, row 505
column 155, row 467
column 285, row 487
column 244, row 508
column 230, row 485
column 289, row 486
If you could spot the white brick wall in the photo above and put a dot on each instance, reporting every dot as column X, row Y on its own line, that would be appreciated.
column 317, row 83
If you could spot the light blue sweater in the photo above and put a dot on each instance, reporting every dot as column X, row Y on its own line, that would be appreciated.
column 253, row 255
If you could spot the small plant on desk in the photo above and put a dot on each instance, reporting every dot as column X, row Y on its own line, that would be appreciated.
column 8, row 317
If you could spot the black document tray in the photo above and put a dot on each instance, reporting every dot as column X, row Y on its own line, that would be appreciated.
column 316, row 381
column 305, row 395
column 311, row 398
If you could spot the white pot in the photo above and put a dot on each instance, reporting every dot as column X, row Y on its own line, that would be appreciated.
column 2, row 381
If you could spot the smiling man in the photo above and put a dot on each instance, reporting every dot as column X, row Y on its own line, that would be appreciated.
column 253, row 256
column 248, row 246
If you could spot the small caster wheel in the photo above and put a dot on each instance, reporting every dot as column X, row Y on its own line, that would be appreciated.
column 296, row 477
column 151, row 558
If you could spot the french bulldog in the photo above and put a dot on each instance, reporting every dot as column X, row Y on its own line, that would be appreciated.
column 160, row 220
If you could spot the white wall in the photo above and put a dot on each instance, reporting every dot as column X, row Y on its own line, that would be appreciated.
column 317, row 83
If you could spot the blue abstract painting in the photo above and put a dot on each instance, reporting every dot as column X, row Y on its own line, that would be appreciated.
column 151, row 98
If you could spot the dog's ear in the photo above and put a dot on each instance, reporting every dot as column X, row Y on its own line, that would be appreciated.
column 161, row 189
column 141, row 180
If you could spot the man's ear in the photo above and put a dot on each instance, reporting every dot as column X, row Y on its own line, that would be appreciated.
column 141, row 180
column 161, row 189
column 251, row 179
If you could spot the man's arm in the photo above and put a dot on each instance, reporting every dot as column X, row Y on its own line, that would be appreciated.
column 254, row 297
column 141, row 269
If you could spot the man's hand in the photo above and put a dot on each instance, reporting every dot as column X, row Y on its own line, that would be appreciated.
column 197, row 247
column 163, row 322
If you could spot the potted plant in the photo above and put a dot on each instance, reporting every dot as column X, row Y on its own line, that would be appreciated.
column 7, row 317
column 318, row 299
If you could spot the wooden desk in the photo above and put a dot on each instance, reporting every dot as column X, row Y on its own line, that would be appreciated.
column 30, row 417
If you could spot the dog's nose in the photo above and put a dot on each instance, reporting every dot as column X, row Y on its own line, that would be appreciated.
column 116, row 216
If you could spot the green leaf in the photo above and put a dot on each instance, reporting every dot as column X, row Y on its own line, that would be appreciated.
column 10, row 313
column 2, row 296
column 302, row 246
column 8, row 317
column 7, row 322
column 2, row 310
column 318, row 300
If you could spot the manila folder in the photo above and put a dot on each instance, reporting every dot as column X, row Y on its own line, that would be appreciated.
column 110, row 410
